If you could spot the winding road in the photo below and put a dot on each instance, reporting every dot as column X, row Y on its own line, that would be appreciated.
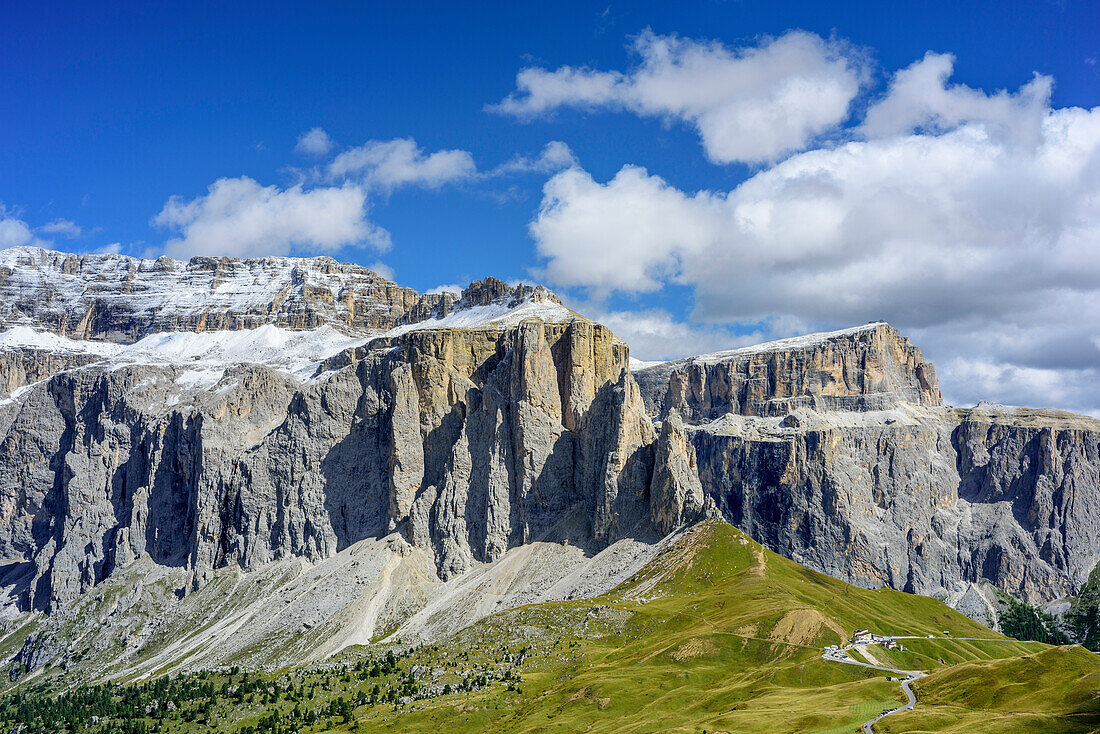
column 839, row 656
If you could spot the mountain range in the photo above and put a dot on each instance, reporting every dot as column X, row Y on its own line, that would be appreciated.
column 268, row 462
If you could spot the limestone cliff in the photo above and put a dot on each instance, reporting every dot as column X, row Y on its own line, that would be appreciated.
column 867, row 368
column 835, row 450
column 466, row 440
column 676, row 494
column 314, row 413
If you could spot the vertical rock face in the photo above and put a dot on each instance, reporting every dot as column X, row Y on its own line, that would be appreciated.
column 469, row 441
column 676, row 494
column 927, row 504
column 857, row 502
column 1043, row 469
column 95, row 475
column 867, row 368
column 835, row 450
column 20, row 367
column 615, row 458
column 483, row 421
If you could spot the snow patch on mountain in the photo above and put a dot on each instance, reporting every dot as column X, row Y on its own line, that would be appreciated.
column 25, row 337
column 121, row 299
column 789, row 344
column 205, row 355
column 493, row 315
column 296, row 352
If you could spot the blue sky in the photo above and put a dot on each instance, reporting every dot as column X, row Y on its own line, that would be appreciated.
column 117, row 125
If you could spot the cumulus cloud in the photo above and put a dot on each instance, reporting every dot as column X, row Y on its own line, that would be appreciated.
column 920, row 98
column 968, row 381
column 111, row 248
column 655, row 334
column 314, row 142
column 629, row 234
column 238, row 216
column 63, row 227
column 388, row 164
column 327, row 209
column 555, row 156
column 14, row 232
column 753, row 103
column 982, row 247
column 382, row 269
column 446, row 288
column 540, row 91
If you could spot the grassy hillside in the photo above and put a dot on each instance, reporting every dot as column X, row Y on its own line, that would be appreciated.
column 717, row 634
column 1056, row 689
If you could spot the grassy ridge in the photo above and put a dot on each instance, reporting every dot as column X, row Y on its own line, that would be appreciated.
column 718, row 635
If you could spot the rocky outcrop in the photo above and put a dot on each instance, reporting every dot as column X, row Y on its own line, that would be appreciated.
column 21, row 367
column 1043, row 469
column 121, row 299
column 487, row 292
column 466, row 441
column 615, row 458
column 99, row 470
column 676, row 494
column 868, row 368
column 926, row 504
column 835, row 450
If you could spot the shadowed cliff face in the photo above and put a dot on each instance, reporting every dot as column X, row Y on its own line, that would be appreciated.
column 891, row 505
column 836, row 451
column 467, row 441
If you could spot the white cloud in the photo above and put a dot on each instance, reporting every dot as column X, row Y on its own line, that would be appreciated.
column 324, row 210
column 387, row 164
column 967, row 381
column 983, row 248
column 628, row 235
column 238, row 216
column 446, row 288
column 14, row 232
column 555, row 156
column 654, row 334
column 541, row 91
column 754, row 103
column 919, row 98
column 112, row 248
column 314, row 142
column 63, row 227
column 382, row 269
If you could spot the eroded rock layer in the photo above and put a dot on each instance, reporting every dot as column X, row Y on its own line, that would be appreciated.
column 866, row 368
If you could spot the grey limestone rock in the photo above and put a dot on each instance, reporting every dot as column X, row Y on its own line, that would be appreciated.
column 924, row 498
column 676, row 494
column 467, row 441
column 121, row 299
